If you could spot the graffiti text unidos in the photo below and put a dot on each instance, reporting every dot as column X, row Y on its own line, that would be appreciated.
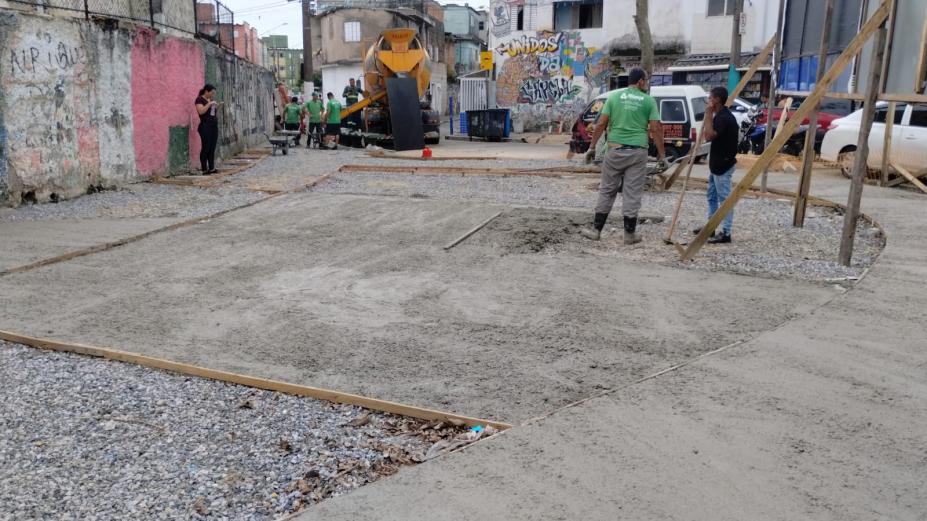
column 531, row 45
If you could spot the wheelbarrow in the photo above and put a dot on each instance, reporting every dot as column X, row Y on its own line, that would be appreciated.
column 279, row 142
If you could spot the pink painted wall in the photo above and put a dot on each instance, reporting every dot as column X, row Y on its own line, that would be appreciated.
column 167, row 74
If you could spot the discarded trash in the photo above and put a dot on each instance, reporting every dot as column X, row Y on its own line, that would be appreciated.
column 476, row 428
column 426, row 153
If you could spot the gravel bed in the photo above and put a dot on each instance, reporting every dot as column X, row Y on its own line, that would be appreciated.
column 83, row 438
column 765, row 243
column 146, row 200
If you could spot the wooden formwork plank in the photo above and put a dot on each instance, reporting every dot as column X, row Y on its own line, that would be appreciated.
column 249, row 381
column 786, row 131
column 910, row 177
column 450, row 170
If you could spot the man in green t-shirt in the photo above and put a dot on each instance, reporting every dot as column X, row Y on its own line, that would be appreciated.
column 313, row 109
column 630, row 115
column 351, row 95
column 332, row 116
column 293, row 113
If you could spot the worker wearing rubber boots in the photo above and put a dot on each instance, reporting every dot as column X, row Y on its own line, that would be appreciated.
column 629, row 116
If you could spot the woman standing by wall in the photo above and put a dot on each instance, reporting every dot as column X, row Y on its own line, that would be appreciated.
column 208, row 129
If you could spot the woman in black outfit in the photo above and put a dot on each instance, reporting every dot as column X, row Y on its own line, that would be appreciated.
column 209, row 128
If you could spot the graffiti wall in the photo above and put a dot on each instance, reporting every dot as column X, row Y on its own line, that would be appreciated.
column 84, row 105
column 548, row 76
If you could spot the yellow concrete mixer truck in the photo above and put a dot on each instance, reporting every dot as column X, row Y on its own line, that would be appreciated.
column 396, row 80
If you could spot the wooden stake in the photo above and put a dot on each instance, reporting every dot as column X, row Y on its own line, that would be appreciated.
column 785, row 133
column 862, row 146
column 773, row 85
column 475, row 229
column 804, row 184
column 249, row 381
column 920, row 77
column 887, row 142
column 910, row 177
column 757, row 63
column 685, row 185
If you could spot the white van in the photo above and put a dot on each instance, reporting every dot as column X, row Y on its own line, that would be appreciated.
column 682, row 110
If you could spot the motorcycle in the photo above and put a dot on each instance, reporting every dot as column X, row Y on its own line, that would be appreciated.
column 794, row 146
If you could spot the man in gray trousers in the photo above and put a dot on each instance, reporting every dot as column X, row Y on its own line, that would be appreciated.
column 630, row 115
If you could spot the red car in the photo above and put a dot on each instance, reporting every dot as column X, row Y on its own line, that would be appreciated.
column 831, row 109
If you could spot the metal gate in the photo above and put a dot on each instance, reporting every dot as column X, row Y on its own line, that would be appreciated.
column 473, row 94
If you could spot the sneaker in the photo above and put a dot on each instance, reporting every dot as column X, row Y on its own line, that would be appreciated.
column 723, row 238
column 699, row 230
column 631, row 238
column 591, row 233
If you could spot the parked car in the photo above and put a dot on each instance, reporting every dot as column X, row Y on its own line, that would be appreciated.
column 909, row 138
column 830, row 110
column 682, row 109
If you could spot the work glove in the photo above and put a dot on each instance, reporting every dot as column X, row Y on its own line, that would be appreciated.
column 590, row 155
column 662, row 164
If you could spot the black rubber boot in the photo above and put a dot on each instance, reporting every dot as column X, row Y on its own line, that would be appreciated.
column 630, row 226
column 595, row 233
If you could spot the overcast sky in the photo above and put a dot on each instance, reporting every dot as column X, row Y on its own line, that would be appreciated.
column 269, row 15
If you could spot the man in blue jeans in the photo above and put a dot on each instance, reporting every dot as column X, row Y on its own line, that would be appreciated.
column 722, row 131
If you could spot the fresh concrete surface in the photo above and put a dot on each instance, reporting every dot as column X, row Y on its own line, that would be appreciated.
column 819, row 415
column 356, row 294
column 823, row 418
column 26, row 242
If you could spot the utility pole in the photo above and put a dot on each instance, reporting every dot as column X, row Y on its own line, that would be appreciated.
column 733, row 75
column 307, row 45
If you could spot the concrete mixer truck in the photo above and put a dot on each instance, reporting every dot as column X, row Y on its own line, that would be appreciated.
column 396, row 79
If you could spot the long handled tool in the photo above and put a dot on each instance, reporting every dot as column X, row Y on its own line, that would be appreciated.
column 690, row 160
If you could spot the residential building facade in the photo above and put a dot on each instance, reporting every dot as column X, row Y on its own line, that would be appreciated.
column 553, row 57
column 284, row 62
column 463, row 22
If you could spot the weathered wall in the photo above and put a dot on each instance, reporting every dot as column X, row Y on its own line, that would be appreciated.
column 85, row 104
column 49, row 100
column 166, row 75
column 247, row 92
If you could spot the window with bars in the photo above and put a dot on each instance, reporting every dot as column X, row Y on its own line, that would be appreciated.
column 352, row 32
column 720, row 7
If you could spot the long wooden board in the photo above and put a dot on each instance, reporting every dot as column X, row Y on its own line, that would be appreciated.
column 451, row 170
column 874, row 22
column 910, row 177
column 249, row 381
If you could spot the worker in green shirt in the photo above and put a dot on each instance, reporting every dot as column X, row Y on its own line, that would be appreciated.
column 351, row 95
column 332, row 117
column 314, row 129
column 293, row 114
column 630, row 115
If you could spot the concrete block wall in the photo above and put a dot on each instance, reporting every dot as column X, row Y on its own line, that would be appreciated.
column 85, row 105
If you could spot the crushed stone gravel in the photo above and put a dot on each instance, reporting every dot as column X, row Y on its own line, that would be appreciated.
column 83, row 438
column 765, row 243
